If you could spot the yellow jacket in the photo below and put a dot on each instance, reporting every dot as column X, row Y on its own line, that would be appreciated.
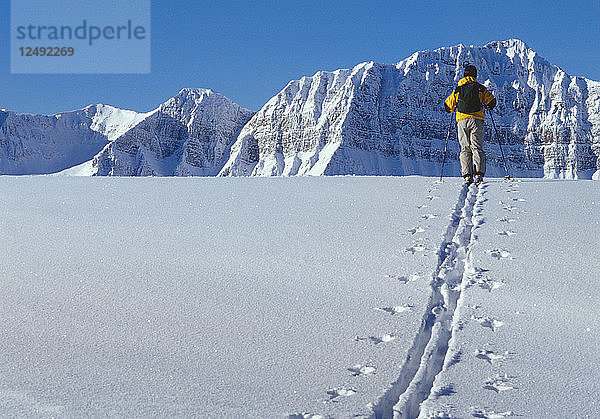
column 485, row 96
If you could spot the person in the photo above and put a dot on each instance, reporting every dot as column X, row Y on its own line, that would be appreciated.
column 466, row 99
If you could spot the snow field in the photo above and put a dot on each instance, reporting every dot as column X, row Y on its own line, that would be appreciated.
column 299, row 297
column 212, row 297
column 525, row 337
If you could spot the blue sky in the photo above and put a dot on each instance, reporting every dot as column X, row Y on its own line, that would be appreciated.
column 249, row 50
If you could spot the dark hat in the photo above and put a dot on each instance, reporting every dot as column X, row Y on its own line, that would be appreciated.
column 470, row 70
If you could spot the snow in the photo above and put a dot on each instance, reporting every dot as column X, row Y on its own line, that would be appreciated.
column 188, row 135
column 84, row 169
column 254, row 297
column 114, row 122
column 527, row 330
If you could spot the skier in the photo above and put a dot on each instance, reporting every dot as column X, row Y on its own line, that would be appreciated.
column 467, row 99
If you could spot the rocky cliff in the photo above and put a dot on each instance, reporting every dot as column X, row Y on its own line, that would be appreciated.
column 189, row 135
column 35, row 144
column 379, row 119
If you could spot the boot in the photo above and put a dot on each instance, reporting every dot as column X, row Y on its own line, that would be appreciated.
column 478, row 178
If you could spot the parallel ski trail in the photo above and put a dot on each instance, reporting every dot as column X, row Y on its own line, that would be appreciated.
column 426, row 357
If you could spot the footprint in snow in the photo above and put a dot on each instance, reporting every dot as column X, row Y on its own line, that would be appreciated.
column 501, row 382
column 499, row 254
column 490, row 414
column 477, row 272
column 416, row 230
column 423, row 206
column 306, row 416
column 438, row 309
column 396, row 310
column 362, row 370
column 339, row 392
column 403, row 278
column 507, row 233
column 506, row 220
column 490, row 356
column 428, row 216
column 416, row 248
column 478, row 277
column 486, row 283
column 489, row 322
column 478, row 221
column 447, row 390
column 519, row 199
column 385, row 338
column 432, row 197
column 376, row 340
column 455, row 358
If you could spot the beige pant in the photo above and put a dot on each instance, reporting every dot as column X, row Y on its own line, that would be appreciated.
column 470, row 137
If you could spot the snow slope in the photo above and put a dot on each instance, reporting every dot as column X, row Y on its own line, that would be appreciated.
column 298, row 296
column 189, row 135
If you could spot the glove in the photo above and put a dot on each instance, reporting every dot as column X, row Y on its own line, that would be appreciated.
column 491, row 105
column 446, row 108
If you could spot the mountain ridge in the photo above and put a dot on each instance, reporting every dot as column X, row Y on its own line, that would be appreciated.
column 372, row 119
column 188, row 135
column 395, row 107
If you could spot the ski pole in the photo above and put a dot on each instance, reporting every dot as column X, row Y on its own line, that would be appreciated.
column 499, row 144
column 446, row 146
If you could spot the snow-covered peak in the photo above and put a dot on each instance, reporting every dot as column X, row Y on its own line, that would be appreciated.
column 188, row 135
column 114, row 122
column 507, row 44
column 189, row 101
column 31, row 143
column 194, row 93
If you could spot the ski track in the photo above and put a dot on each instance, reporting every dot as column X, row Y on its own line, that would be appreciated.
column 427, row 356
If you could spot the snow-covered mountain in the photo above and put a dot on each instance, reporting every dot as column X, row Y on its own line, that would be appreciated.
column 34, row 144
column 189, row 135
column 373, row 119
column 380, row 119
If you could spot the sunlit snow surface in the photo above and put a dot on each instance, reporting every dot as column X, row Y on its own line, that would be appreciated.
column 296, row 296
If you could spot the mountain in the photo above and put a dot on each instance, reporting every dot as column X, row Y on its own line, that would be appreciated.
column 373, row 119
column 35, row 144
column 189, row 135
column 380, row 119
